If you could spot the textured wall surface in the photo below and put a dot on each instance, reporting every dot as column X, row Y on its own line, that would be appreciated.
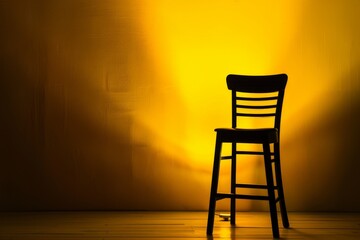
column 112, row 104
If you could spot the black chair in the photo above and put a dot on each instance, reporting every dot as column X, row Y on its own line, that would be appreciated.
column 252, row 97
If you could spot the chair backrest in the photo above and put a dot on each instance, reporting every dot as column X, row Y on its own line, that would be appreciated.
column 257, row 96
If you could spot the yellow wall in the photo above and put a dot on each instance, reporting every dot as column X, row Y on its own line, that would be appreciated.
column 112, row 104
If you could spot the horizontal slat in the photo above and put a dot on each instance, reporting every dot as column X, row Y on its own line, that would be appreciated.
column 255, row 114
column 240, row 196
column 252, row 153
column 220, row 196
column 255, row 107
column 257, row 98
column 257, row 186
column 246, row 153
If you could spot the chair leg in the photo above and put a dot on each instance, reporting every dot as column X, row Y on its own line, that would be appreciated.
column 284, row 216
column 233, row 186
column 271, row 192
column 214, row 186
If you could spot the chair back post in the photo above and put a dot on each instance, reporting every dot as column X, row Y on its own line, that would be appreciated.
column 233, row 109
column 279, row 106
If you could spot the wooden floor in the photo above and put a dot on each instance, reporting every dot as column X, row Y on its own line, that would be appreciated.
column 171, row 225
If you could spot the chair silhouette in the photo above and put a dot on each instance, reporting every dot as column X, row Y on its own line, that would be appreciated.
column 252, row 97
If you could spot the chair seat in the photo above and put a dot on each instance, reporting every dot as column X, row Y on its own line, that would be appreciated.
column 241, row 135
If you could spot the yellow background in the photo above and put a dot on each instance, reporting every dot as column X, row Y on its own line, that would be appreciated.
column 112, row 104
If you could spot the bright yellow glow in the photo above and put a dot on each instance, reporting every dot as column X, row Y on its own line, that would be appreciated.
column 196, row 44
